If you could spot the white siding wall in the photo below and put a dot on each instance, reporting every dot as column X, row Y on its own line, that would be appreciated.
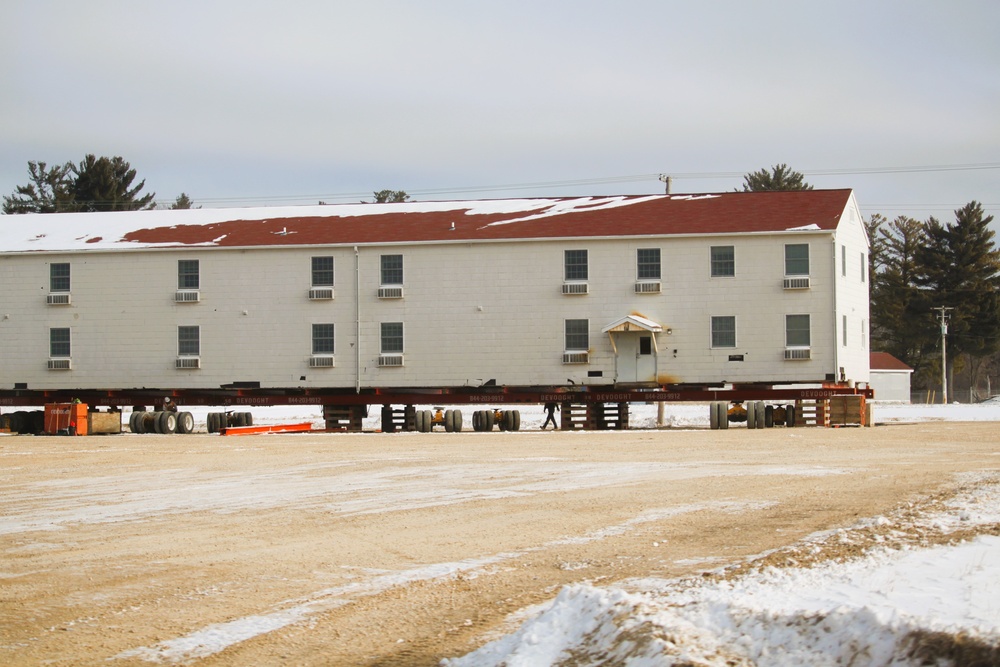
column 853, row 295
column 471, row 312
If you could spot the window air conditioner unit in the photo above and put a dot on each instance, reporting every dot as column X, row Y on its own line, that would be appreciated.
column 797, row 283
column 321, row 361
column 647, row 287
column 58, row 299
column 187, row 296
column 797, row 353
column 575, row 288
column 385, row 360
column 319, row 293
column 390, row 292
column 184, row 363
column 576, row 357
column 60, row 364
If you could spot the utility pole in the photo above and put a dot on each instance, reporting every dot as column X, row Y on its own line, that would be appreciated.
column 944, row 314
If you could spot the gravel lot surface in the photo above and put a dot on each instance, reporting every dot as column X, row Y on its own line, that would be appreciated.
column 371, row 549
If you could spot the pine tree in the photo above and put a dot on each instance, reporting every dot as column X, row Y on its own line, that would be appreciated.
column 390, row 196
column 50, row 191
column 901, row 325
column 105, row 184
column 182, row 202
column 959, row 268
column 779, row 178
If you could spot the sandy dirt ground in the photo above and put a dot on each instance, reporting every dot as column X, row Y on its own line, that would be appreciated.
column 370, row 549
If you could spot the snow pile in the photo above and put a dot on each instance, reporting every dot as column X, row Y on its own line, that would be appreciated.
column 895, row 606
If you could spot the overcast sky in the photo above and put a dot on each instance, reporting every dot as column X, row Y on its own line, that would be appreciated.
column 249, row 102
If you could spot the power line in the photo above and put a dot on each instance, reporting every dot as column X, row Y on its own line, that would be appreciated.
column 609, row 180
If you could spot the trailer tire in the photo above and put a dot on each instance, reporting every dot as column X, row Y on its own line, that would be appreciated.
column 428, row 421
column 476, row 420
column 723, row 414
column 248, row 419
column 768, row 416
column 185, row 422
column 790, row 416
column 489, row 419
column 449, row 425
column 515, row 420
column 166, row 422
column 132, row 420
column 456, row 421
column 751, row 414
column 759, row 414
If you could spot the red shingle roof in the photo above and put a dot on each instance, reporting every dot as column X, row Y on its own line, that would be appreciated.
column 883, row 361
column 580, row 217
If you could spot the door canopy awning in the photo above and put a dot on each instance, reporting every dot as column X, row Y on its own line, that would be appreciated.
column 632, row 323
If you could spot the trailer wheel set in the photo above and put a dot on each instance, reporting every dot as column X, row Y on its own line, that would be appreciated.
column 756, row 414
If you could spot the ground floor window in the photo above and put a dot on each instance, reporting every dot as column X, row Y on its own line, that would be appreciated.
column 578, row 335
column 59, row 342
column 392, row 337
column 322, row 339
column 188, row 341
column 724, row 331
column 797, row 331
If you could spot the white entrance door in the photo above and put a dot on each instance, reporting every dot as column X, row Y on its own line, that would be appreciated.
column 636, row 361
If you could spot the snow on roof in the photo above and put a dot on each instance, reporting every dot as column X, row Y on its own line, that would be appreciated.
column 415, row 222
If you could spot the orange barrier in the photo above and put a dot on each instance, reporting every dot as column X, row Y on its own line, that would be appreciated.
column 273, row 428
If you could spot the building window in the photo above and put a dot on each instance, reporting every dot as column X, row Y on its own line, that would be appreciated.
column 59, row 343
column 647, row 262
column 322, row 339
column 578, row 335
column 864, row 336
column 187, row 274
column 59, row 277
column 188, row 341
column 576, row 264
column 797, row 259
column 723, row 261
column 864, row 267
column 724, row 331
column 843, row 260
column 392, row 338
column 322, row 271
column 392, row 269
column 797, row 331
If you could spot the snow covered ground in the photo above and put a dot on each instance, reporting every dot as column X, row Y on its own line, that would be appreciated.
column 898, row 604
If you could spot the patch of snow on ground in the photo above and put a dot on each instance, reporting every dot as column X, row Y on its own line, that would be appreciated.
column 902, row 606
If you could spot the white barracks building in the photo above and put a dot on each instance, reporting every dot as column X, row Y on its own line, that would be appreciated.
column 681, row 290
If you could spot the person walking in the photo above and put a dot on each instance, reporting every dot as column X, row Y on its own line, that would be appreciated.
column 550, row 411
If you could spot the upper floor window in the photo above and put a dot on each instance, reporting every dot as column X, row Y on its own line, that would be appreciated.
column 392, row 338
column 797, row 259
column 723, row 261
column 187, row 274
column 797, row 331
column 322, row 271
column 575, row 263
column 188, row 341
column 647, row 262
column 578, row 335
column 59, row 342
column 864, row 267
column 322, row 339
column 724, row 331
column 392, row 269
column 59, row 277
column 843, row 260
